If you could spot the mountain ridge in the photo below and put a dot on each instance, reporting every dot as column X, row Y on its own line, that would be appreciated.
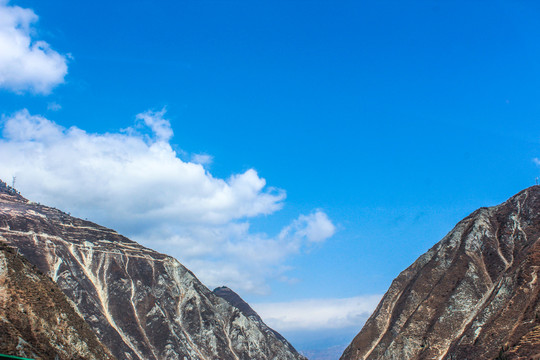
column 235, row 300
column 141, row 303
column 472, row 295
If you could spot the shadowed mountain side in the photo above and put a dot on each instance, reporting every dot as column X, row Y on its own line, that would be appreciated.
column 473, row 293
column 36, row 319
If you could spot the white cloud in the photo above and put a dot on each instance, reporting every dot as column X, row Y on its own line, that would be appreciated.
column 315, row 227
column 536, row 161
column 138, row 185
column 159, row 126
column 24, row 127
column 26, row 64
column 318, row 314
column 203, row 159
column 108, row 170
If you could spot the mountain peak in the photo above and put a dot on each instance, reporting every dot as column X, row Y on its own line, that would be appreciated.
column 474, row 294
column 141, row 304
column 235, row 300
column 5, row 189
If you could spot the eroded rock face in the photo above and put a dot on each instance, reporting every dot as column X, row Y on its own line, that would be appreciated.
column 472, row 294
column 36, row 319
column 235, row 300
column 141, row 304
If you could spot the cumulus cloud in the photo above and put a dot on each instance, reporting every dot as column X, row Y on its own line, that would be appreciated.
column 318, row 314
column 315, row 227
column 26, row 64
column 137, row 178
column 136, row 183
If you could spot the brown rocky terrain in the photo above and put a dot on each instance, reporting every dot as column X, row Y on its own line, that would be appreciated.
column 474, row 295
column 140, row 303
column 36, row 319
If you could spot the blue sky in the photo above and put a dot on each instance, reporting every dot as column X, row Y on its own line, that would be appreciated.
column 383, row 123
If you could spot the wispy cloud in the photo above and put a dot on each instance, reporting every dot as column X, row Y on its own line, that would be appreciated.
column 203, row 159
column 159, row 126
column 318, row 314
column 135, row 182
column 53, row 106
column 26, row 64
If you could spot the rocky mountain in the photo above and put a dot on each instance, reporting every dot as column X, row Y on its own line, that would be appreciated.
column 140, row 303
column 235, row 300
column 36, row 319
column 474, row 295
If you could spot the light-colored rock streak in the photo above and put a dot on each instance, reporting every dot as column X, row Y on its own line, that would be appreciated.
column 35, row 236
column 89, row 228
column 101, row 291
column 499, row 252
column 228, row 339
column 517, row 222
column 473, row 314
column 192, row 344
column 135, row 312
column 534, row 278
column 30, row 234
column 422, row 261
column 171, row 267
column 386, row 325
column 56, row 267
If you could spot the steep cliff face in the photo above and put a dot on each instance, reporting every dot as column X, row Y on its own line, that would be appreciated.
column 36, row 319
column 471, row 295
column 141, row 304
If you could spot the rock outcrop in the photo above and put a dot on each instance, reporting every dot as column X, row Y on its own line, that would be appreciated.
column 140, row 303
column 474, row 295
column 36, row 319
column 235, row 300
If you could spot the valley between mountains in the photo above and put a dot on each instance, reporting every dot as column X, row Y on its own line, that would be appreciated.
column 71, row 289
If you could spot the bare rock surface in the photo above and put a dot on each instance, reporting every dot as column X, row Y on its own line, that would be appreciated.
column 235, row 300
column 473, row 294
column 36, row 319
column 140, row 303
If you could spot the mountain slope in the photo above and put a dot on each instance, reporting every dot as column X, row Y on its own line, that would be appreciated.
column 142, row 304
column 36, row 319
column 235, row 300
column 472, row 294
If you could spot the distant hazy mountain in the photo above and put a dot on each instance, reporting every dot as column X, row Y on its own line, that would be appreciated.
column 331, row 353
column 140, row 303
column 474, row 295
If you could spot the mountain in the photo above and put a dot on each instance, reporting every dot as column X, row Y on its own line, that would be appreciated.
column 474, row 295
column 235, row 300
column 140, row 303
column 36, row 319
